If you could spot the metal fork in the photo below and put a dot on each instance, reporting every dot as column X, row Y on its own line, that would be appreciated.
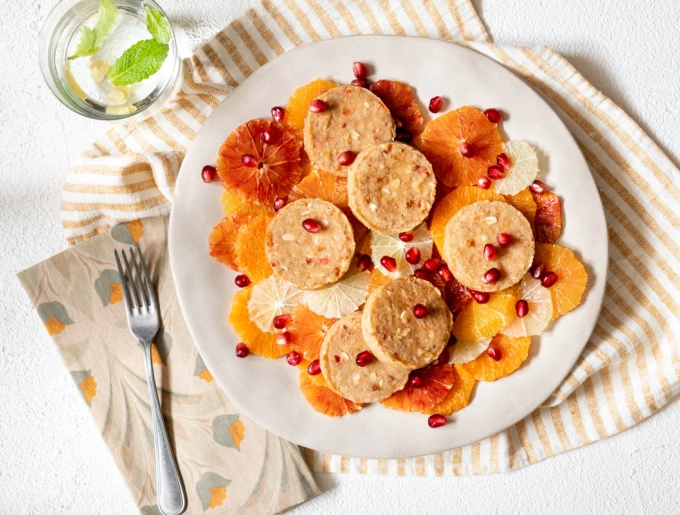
column 142, row 314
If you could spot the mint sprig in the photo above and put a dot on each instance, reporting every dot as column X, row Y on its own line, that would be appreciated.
column 138, row 62
column 91, row 40
column 157, row 25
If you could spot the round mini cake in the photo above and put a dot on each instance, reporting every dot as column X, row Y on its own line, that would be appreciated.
column 391, row 187
column 355, row 120
column 373, row 382
column 477, row 225
column 393, row 332
column 307, row 259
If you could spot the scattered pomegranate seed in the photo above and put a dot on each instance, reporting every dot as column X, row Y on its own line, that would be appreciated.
column 360, row 70
column 364, row 358
column 403, row 136
column 277, row 113
column 495, row 172
column 280, row 321
column 481, row 297
column 491, row 276
column 538, row 271
column 466, row 149
column 279, row 203
column 241, row 281
column 484, row 183
column 365, row 263
column 504, row 239
column 284, row 338
column 549, row 279
column 318, row 106
column 503, row 161
column 242, row 350
column 538, row 187
column 360, row 83
column 494, row 352
column 436, row 420
column 431, row 264
column 294, row 358
column 406, row 236
column 489, row 252
column 346, row 158
column 399, row 123
column 389, row 263
column 444, row 357
column 311, row 225
column 419, row 311
column 522, row 308
column 337, row 358
column 421, row 273
column 269, row 135
column 436, row 104
column 445, row 273
column 413, row 255
column 494, row 115
column 208, row 174
column 314, row 368
column 415, row 382
column 249, row 160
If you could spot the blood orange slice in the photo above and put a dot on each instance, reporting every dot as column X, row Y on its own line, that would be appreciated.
column 458, row 396
column 324, row 400
column 249, row 249
column 298, row 103
column 440, row 142
column 524, row 203
column 514, row 352
column 222, row 239
column 307, row 330
column 277, row 165
column 436, row 381
column 548, row 225
column 572, row 277
column 399, row 99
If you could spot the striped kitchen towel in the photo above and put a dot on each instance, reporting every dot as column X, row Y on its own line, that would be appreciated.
column 630, row 366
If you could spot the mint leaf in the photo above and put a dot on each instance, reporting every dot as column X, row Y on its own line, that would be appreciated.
column 107, row 16
column 86, row 44
column 138, row 62
column 157, row 25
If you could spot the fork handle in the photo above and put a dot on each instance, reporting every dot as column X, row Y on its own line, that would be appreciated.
column 169, row 489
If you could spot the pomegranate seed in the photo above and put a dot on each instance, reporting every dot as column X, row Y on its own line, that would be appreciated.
column 549, row 279
column 365, row 263
column 436, row 420
column 279, row 203
column 495, row 172
column 314, row 368
column 504, row 239
column 283, row 338
column 311, row 225
column 466, row 149
column 419, row 311
column 445, row 273
column 403, row 136
column 484, row 183
column 431, row 264
column 241, row 281
column 415, row 382
column 538, row 271
column 399, row 123
column 489, row 252
column 503, row 161
column 360, row 83
column 413, row 255
column 337, row 358
column 360, row 70
column 494, row 352
column 406, row 236
column 208, row 174
column 294, row 358
column 280, row 321
column 278, row 113
column 522, row 308
column 494, row 115
column 444, row 357
column 318, row 106
column 249, row 160
column 491, row 276
column 436, row 104
column 269, row 135
column 346, row 158
column 242, row 350
column 538, row 187
column 389, row 263
column 364, row 358
column 421, row 273
column 481, row 297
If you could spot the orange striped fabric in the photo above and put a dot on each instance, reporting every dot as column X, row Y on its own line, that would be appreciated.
column 630, row 367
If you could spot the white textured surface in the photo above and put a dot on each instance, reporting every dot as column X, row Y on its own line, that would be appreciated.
column 52, row 459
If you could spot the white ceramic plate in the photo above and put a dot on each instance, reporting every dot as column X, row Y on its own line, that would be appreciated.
column 267, row 391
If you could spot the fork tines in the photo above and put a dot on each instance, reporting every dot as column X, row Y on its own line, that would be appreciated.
column 136, row 293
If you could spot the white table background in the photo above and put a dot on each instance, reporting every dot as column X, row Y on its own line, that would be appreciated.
column 52, row 459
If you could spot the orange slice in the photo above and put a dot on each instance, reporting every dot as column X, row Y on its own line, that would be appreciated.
column 572, row 277
column 437, row 380
column 399, row 99
column 524, row 203
column 323, row 185
column 307, row 330
column 548, row 225
column 324, row 400
column 514, row 352
column 317, row 379
column 249, row 249
column 376, row 280
column 449, row 206
column 441, row 138
column 479, row 321
column 278, row 164
column 233, row 204
column 222, row 239
column 258, row 342
column 298, row 103
column 458, row 396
